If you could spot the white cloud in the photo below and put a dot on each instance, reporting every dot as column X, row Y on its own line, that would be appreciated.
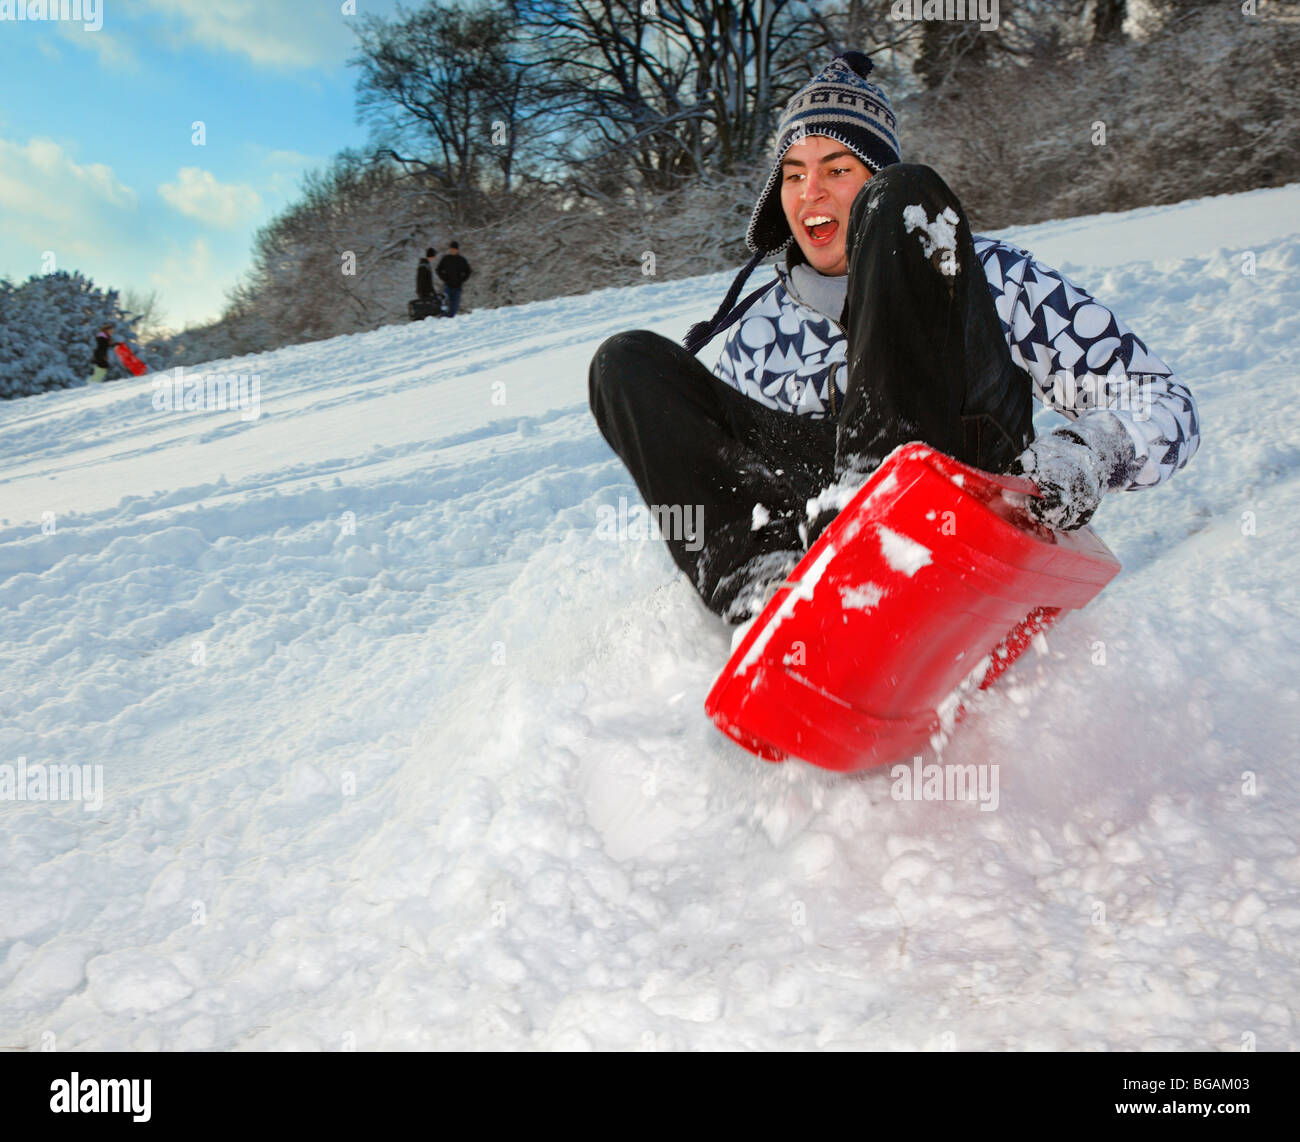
column 199, row 195
column 112, row 52
column 286, row 34
column 52, row 204
column 295, row 159
column 90, row 220
column 51, row 200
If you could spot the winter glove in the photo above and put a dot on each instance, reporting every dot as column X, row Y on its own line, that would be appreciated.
column 1074, row 466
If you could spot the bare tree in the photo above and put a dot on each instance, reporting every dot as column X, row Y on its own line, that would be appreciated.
column 147, row 309
column 432, row 85
column 673, row 88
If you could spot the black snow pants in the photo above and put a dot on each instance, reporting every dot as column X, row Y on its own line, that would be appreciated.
column 927, row 360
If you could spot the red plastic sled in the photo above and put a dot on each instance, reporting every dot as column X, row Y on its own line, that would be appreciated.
column 928, row 585
column 133, row 363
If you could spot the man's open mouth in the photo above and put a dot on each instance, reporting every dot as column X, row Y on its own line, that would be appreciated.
column 820, row 228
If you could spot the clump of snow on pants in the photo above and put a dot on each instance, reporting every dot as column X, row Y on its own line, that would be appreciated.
column 940, row 235
column 837, row 496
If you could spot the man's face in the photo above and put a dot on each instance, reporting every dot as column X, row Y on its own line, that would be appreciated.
column 820, row 177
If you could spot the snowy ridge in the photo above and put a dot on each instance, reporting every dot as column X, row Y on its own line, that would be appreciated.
column 436, row 773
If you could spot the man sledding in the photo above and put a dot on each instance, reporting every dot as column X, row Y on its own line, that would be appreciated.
column 890, row 323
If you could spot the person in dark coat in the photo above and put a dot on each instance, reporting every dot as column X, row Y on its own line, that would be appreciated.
column 424, row 275
column 103, row 343
column 454, row 271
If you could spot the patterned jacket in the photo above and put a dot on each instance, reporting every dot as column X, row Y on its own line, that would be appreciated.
column 1077, row 353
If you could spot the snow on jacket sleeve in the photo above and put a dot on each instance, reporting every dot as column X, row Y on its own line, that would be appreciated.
column 1081, row 358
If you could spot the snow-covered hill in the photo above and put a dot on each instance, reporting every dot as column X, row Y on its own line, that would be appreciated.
column 397, row 752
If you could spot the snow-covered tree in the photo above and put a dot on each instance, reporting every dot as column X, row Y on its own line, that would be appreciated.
column 47, row 332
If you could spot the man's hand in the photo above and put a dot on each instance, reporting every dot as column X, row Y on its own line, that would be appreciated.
column 1068, row 474
column 1073, row 467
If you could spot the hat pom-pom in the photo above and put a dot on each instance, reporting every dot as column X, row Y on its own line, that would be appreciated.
column 860, row 63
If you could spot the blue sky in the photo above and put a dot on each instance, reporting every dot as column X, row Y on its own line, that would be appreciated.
column 97, row 162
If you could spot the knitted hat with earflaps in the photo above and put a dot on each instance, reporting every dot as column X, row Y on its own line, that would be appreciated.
column 841, row 104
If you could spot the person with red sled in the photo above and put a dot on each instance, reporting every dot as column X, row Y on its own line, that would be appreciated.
column 890, row 323
column 99, row 361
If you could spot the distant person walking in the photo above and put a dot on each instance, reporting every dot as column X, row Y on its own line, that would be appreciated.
column 103, row 343
column 454, row 271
